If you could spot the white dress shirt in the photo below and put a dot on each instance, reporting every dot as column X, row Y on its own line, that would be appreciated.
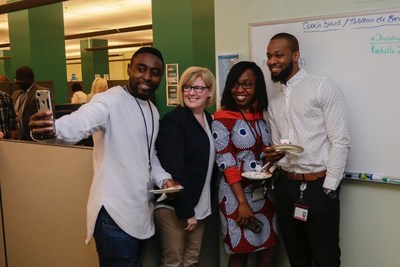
column 203, row 207
column 120, row 157
column 310, row 112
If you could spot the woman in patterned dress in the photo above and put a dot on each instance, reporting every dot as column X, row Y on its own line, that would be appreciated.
column 240, row 136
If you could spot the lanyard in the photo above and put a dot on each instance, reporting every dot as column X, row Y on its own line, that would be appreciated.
column 303, row 187
column 149, row 142
column 251, row 130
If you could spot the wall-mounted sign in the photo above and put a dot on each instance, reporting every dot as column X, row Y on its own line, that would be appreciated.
column 172, row 78
column 225, row 63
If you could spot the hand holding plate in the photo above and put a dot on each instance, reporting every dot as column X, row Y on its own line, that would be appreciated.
column 273, row 155
column 171, row 185
column 289, row 148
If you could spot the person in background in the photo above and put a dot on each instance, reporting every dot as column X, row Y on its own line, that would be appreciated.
column 6, row 107
column 186, row 150
column 25, row 101
column 8, row 118
column 124, row 124
column 3, row 78
column 99, row 85
column 309, row 112
column 78, row 96
column 240, row 136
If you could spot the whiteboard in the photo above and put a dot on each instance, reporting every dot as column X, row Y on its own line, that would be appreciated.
column 361, row 53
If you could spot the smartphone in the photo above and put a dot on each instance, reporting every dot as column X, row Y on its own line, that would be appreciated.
column 43, row 101
column 254, row 225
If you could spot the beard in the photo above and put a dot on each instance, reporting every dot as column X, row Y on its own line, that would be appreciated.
column 134, row 89
column 283, row 75
column 141, row 95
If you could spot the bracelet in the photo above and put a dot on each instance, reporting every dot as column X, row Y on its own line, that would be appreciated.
column 41, row 140
column 31, row 133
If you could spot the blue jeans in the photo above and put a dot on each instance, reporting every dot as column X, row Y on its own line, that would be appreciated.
column 115, row 247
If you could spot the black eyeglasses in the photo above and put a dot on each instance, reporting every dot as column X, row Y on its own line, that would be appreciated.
column 244, row 85
column 197, row 89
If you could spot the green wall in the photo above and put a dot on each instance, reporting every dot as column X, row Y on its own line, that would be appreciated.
column 93, row 62
column 5, row 64
column 183, row 30
column 37, row 40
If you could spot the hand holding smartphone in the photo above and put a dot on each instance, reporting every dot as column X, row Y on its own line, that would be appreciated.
column 254, row 225
column 43, row 103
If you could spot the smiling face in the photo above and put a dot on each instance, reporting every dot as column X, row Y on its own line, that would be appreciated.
column 281, row 61
column 145, row 73
column 196, row 101
column 244, row 97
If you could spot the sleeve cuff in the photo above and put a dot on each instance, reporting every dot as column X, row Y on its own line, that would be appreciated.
column 162, row 182
column 232, row 175
column 331, row 183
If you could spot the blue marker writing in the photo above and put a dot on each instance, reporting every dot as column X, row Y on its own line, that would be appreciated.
column 356, row 175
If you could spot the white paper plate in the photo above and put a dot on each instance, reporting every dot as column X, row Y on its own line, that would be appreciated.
column 289, row 148
column 256, row 175
column 166, row 190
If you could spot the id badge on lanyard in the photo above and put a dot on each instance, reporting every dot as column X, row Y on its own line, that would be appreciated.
column 300, row 209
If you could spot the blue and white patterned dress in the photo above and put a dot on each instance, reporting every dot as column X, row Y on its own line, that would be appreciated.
column 239, row 144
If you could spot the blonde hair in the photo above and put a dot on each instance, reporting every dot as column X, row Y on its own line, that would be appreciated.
column 99, row 85
column 191, row 74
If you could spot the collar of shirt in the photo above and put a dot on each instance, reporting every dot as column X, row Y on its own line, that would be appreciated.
column 29, row 89
column 296, row 78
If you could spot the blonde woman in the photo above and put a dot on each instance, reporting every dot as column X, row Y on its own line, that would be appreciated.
column 186, row 150
column 99, row 85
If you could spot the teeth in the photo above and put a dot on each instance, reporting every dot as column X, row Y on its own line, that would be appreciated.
column 240, row 97
column 145, row 86
column 275, row 69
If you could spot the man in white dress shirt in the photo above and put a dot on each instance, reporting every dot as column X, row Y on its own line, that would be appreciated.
column 124, row 124
column 309, row 112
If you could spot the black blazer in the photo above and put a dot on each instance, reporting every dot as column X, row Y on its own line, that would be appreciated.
column 183, row 149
